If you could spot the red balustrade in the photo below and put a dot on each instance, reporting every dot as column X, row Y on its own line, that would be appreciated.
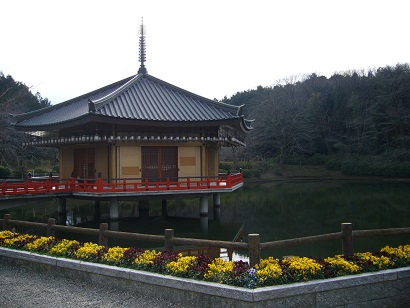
column 55, row 186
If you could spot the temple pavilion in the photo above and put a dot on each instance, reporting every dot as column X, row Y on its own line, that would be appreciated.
column 140, row 127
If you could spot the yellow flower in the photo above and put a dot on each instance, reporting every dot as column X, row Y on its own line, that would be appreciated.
column 343, row 266
column 218, row 269
column 181, row 264
column 87, row 251
column 304, row 267
column 62, row 247
column 35, row 245
column 147, row 257
column 268, row 269
column 114, row 254
column 381, row 262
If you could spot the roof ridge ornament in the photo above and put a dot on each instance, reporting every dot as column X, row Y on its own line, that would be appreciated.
column 142, row 55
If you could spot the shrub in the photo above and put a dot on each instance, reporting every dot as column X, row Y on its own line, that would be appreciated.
column 4, row 172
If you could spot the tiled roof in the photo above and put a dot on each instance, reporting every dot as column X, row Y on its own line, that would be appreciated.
column 140, row 97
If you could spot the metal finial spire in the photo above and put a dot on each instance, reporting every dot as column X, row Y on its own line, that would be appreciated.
column 142, row 56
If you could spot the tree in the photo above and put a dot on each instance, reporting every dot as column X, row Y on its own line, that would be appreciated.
column 15, row 97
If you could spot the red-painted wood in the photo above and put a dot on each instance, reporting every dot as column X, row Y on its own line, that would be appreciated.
column 100, row 186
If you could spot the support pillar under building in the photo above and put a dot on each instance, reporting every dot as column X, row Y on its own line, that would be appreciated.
column 114, row 213
column 165, row 208
column 97, row 210
column 203, row 212
column 217, row 206
column 62, row 211
column 143, row 207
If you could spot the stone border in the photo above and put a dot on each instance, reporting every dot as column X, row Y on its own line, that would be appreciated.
column 389, row 287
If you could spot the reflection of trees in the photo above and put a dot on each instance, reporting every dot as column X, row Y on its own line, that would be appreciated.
column 288, row 210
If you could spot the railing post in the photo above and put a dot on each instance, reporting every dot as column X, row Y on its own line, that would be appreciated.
column 50, row 224
column 102, row 238
column 124, row 184
column 169, row 234
column 229, row 180
column 347, row 238
column 3, row 188
column 254, row 249
column 188, row 183
column 99, row 184
column 72, row 184
column 6, row 222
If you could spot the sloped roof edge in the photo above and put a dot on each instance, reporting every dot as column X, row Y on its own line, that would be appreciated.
column 30, row 114
column 105, row 100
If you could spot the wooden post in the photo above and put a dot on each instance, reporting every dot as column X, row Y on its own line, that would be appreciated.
column 347, row 233
column 50, row 224
column 169, row 234
column 254, row 249
column 229, row 180
column 100, row 184
column 102, row 238
column 164, row 204
column 6, row 223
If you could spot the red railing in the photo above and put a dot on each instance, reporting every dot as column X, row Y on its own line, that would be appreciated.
column 100, row 186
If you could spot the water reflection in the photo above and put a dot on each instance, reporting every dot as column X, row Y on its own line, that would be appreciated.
column 276, row 210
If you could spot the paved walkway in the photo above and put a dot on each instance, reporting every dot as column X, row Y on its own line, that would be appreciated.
column 23, row 287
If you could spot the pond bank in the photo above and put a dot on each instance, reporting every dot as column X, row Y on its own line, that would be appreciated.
column 386, row 288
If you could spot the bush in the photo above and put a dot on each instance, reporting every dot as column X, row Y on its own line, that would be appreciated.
column 249, row 173
column 333, row 164
column 366, row 168
column 317, row 160
column 4, row 172
column 226, row 165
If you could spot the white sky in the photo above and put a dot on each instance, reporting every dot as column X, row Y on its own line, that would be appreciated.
column 213, row 48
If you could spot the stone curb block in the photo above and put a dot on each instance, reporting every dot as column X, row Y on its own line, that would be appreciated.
column 340, row 290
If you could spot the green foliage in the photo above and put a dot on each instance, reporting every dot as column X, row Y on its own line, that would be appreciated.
column 317, row 159
column 4, row 172
column 362, row 167
column 16, row 98
column 304, row 121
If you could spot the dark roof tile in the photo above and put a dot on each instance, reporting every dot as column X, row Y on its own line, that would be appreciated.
column 140, row 97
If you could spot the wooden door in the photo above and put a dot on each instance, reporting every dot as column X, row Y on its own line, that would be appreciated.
column 84, row 163
column 159, row 163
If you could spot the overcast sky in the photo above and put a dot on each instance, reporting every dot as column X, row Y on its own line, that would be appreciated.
column 213, row 48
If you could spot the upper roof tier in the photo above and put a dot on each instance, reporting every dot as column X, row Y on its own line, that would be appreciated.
column 142, row 99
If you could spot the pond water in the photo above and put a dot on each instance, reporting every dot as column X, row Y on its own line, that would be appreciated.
column 275, row 210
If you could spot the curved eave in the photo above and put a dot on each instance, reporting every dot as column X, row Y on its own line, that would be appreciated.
column 28, row 115
column 91, row 117
column 99, row 103
column 245, row 127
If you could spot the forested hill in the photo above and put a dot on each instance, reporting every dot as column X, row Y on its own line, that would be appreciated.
column 15, row 98
column 353, row 114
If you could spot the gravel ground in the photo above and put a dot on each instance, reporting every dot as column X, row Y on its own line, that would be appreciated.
column 23, row 287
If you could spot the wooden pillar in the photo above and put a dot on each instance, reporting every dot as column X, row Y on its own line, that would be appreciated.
column 114, row 214
column 254, row 249
column 6, row 223
column 203, row 212
column 50, row 224
column 62, row 211
column 165, row 208
column 168, row 234
column 347, row 233
column 217, row 206
column 97, row 210
column 203, row 161
column 203, row 208
column 143, row 207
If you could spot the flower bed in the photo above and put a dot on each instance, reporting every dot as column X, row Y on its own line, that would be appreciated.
column 268, row 272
